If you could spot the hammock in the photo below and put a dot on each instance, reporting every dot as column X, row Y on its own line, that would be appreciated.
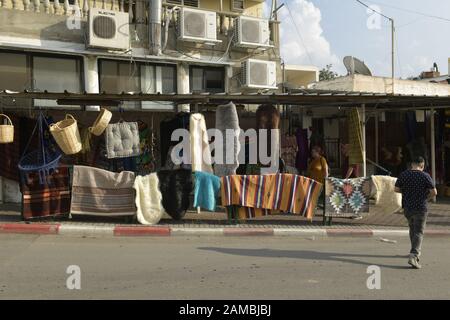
column 44, row 159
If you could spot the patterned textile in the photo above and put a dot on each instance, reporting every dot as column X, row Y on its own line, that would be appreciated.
column 284, row 192
column 355, row 152
column 100, row 192
column 347, row 197
column 49, row 199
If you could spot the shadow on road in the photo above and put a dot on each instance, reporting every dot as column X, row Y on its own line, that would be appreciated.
column 308, row 255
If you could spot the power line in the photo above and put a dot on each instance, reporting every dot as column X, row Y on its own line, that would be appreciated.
column 411, row 11
column 367, row 6
column 298, row 33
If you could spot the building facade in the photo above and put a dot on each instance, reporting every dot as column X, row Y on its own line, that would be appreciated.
column 167, row 46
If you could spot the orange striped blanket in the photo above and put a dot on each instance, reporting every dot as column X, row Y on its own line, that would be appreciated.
column 279, row 192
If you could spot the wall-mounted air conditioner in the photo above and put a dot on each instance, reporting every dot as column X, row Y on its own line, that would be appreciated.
column 259, row 74
column 108, row 29
column 198, row 26
column 251, row 32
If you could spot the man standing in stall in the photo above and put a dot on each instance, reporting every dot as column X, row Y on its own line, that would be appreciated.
column 416, row 187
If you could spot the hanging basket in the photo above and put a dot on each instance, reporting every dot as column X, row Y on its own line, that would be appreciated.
column 66, row 135
column 101, row 122
column 6, row 130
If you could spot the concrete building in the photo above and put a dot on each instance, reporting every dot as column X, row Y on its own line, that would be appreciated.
column 46, row 45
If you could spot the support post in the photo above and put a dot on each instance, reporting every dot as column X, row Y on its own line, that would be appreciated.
column 363, row 129
column 377, row 139
column 433, row 147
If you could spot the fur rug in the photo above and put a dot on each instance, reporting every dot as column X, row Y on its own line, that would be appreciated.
column 148, row 199
column 176, row 187
column 200, row 152
column 386, row 198
column 227, row 118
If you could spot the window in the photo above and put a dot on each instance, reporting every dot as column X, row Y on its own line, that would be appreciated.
column 191, row 3
column 119, row 76
column 207, row 79
column 14, row 72
column 124, row 76
column 56, row 74
column 237, row 5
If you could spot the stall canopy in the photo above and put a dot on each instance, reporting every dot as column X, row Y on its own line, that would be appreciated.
column 306, row 97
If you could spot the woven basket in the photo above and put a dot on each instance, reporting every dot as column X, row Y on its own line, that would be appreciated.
column 6, row 130
column 101, row 122
column 66, row 135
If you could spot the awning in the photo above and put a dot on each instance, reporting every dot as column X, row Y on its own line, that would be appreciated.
column 307, row 97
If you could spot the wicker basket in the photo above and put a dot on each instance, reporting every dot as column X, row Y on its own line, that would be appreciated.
column 66, row 135
column 6, row 130
column 101, row 122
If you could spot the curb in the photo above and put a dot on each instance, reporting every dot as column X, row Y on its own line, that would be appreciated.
column 84, row 230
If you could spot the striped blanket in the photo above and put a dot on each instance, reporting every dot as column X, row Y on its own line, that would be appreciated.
column 280, row 192
column 49, row 199
column 100, row 192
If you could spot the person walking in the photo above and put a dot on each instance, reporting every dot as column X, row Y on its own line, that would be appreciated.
column 416, row 187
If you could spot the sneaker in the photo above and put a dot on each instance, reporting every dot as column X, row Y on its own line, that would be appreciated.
column 413, row 261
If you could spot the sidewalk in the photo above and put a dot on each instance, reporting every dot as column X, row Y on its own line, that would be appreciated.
column 376, row 224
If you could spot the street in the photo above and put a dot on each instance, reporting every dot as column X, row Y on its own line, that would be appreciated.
column 34, row 267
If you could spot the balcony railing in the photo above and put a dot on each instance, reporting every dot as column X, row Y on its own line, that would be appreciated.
column 135, row 8
column 66, row 7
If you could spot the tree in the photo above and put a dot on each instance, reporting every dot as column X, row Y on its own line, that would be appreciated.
column 326, row 73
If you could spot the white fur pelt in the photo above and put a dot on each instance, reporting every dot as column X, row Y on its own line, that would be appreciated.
column 227, row 118
column 200, row 152
column 386, row 198
column 148, row 199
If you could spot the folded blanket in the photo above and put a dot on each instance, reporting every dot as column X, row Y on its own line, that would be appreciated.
column 282, row 192
column 386, row 198
column 51, row 198
column 176, row 187
column 206, row 190
column 100, row 192
column 148, row 199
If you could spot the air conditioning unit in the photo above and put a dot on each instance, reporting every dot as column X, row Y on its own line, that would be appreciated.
column 108, row 29
column 198, row 26
column 251, row 32
column 259, row 74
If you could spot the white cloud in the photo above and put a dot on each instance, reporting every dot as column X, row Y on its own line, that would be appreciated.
column 308, row 18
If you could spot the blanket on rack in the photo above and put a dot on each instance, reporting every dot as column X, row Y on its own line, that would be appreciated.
column 386, row 199
column 148, row 199
column 51, row 198
column 347, row 197
column 206, row 190
column 227, row 121
column 282, row 192
column 101, row 192
column 176, row 187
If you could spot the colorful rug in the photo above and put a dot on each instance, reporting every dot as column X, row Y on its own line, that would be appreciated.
column 288, row 193
column 347, row 197
column 49, row 199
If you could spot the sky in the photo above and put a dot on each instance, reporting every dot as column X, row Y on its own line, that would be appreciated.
column 321, row 32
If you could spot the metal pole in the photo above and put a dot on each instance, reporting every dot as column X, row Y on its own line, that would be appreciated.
column 433, row 147
column 363, row 129
column 377, row 138
column 393, row 53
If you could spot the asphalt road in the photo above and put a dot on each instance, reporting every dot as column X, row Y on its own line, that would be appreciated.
column 34, row 267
